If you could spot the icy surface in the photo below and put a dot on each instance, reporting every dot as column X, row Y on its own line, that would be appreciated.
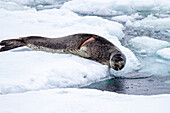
column 24, row 71
column 82, row 101
column 165, row 53
column 54, row 23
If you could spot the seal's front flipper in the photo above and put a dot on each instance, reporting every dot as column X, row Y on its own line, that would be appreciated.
column 83, row 50
column 11, row 44
column 80, row 52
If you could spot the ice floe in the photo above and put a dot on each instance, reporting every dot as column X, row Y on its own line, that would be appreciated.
column 147, row 44
column 126, row 18
column 151, row 22
column 164, row 53
column 24, row 71
column 114, row 7
column 82, row 101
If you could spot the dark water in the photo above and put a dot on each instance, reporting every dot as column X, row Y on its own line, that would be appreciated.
column 143, row 86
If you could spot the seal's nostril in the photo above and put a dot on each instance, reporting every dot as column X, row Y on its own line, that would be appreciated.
column 116, row 68
column 118, row 65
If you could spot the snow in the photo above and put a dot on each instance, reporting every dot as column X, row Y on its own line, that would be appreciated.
column 11, row 6
column 24, row 71
column 55, row 22
column 164, row 53
column 31, row 2
column 82, row 101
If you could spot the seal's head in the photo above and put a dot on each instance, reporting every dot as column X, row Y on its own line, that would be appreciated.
column 117, row 61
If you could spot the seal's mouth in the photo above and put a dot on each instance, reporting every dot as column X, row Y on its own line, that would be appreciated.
column 118, row 65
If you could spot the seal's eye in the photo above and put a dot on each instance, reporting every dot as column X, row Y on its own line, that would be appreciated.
column 117, row 62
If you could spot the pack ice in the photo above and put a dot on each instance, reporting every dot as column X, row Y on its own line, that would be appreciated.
column 41, row 82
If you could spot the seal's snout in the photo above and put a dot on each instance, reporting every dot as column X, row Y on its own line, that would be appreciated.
column 117, row 62
column 118, row 65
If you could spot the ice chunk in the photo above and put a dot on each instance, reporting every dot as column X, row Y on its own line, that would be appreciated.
column 143, row 5
column 147, row 44
column 164, row 53
column 126, row 18
column 123, row 18
column 23, row 71
column 162, row 4
column 98, row 7
column 152, row 22
column 113, row 7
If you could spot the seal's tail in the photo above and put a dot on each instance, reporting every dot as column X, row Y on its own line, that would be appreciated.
column 11, row 44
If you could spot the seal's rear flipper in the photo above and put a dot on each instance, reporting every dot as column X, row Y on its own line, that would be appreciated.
column 11, row 44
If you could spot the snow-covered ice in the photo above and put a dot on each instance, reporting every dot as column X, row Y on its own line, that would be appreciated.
column 82, row 101
column 55, row 23
column 24, row 71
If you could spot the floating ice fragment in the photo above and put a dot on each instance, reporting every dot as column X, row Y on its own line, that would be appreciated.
column 164, row 53
column 151, row 22
column 147, row 44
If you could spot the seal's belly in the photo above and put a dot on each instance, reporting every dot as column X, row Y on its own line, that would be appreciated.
column 46, row 49
column 80, row 52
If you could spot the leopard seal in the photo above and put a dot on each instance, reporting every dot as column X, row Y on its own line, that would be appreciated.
column 89, row 46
